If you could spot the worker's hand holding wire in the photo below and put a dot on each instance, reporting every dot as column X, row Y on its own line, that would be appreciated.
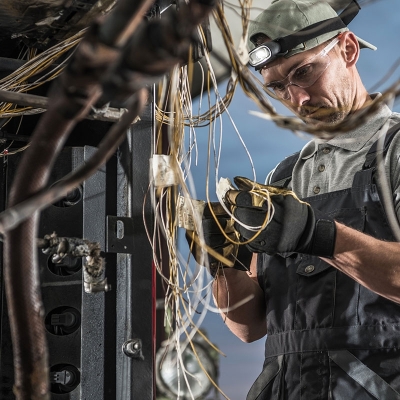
column 273, row 220
column 220, row 247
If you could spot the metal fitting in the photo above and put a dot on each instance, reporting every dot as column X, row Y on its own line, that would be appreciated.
column 133, row 348
column 97, row 287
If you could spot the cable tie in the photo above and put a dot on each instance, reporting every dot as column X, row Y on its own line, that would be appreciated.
column 163, row 172
column 186, row 208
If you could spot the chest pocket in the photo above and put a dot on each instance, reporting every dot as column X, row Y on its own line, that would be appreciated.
column 325, row 297
column 315, row 299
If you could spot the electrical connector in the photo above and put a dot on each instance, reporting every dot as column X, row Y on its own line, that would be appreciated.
column 62, row 377
column 66, row 319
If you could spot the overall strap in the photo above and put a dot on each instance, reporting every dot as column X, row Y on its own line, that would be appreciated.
column 370, row 159
column 367, row 194
column 284, row 169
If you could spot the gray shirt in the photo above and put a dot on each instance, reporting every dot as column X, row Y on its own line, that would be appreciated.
column 329, row 165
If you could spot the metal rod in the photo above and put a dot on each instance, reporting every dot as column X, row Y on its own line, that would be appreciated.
column 109, row 114
column 10, row 136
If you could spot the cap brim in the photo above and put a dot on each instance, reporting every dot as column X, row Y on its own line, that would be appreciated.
column 365, row 45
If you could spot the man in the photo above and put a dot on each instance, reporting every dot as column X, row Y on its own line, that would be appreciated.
column 325, row 272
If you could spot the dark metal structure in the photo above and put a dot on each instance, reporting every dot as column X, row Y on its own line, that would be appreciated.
column 108, row 351
column 71, row 328
column 101, row 344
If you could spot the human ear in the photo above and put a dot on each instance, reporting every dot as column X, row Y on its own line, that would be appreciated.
column 350, row 49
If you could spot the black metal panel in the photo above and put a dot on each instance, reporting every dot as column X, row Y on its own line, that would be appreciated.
column 135, row 279
column 111, row 296
column 116, row 322
column 61, row 288
column 93, row 305
column 143, row 273
column 113, row 348
column 119, row 234
column 6, row 355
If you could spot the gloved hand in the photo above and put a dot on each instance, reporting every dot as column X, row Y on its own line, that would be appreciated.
column 294, row 227
column 239, row 256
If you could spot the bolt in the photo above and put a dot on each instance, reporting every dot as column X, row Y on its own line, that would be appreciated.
column 133, row 348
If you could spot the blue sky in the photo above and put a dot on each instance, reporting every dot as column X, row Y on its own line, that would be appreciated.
column 377, row 22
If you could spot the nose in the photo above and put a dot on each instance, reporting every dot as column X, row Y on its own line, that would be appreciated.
column 297, row 95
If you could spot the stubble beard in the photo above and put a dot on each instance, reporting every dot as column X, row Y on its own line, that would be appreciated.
column 322, row 113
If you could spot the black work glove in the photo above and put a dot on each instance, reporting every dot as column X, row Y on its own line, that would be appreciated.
column 240, row 256
column 295, row 227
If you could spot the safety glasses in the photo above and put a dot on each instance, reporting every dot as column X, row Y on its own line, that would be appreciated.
column 304, row 75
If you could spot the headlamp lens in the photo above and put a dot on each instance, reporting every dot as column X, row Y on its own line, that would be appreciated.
column 259, row 56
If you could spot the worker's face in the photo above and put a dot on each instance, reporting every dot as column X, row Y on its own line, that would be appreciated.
column 328, row 99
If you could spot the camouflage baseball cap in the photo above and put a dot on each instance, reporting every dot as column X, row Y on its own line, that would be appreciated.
column 285, row 17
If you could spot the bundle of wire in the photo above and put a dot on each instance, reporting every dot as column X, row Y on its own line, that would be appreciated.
column 37, row 64
column 188, row 295
column 18, row 81
column 188, row 288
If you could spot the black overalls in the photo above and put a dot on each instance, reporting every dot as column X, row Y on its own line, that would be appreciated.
column 328, row 336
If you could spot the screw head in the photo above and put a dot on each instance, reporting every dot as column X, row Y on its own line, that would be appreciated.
column 133, row 348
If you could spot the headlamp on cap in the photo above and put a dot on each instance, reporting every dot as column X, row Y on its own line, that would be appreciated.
column 264, row 54
column 267, row 52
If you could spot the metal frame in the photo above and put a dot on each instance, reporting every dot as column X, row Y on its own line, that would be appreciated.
column 114, row 349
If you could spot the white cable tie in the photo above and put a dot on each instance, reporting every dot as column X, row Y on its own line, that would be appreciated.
column 224, row 185
column 186, row 208
column 162, row 171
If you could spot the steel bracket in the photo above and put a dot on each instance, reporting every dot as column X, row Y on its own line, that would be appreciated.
column 119, row 235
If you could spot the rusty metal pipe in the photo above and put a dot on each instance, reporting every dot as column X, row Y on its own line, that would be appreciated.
column 31, row 100
column 123, row 21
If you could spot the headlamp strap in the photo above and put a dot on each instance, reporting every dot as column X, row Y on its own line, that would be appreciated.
column 348, row 14
column 319, row 28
